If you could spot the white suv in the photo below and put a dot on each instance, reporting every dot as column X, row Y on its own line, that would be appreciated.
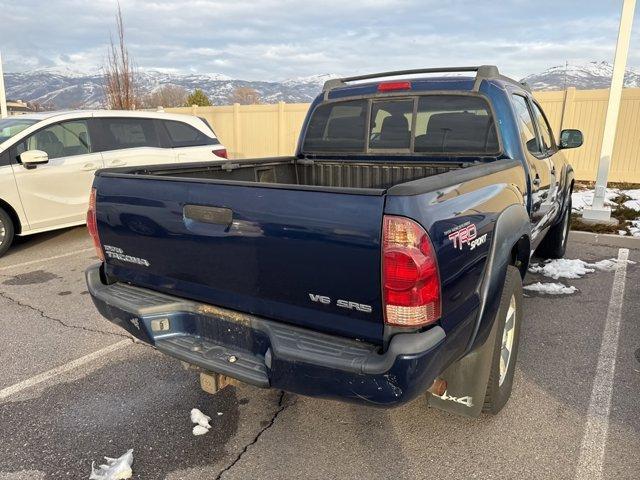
column 48, row 160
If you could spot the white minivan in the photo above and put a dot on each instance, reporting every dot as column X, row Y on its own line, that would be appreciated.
column 48, row 160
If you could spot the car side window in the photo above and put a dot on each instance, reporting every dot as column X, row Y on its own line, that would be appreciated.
column 526, row 124
column 122, row 133
column 543, row 127
column 65, row 139
column 183, row 135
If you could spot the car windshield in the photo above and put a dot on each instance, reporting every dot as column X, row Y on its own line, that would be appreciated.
column 12, row 126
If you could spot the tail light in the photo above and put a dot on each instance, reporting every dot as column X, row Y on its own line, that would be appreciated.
column 411, row 284
column 92, row 225
column 222, row 153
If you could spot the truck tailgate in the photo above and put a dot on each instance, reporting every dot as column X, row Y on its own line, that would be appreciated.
column 284, row 254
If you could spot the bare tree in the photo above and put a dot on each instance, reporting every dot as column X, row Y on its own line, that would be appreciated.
column 120, row 73
column 166, row 96
column 245, row 96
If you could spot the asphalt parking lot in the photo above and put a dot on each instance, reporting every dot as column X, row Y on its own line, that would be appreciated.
column 107, row 394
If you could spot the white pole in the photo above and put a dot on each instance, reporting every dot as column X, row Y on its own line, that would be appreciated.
column 598, row 211
column 3, row 98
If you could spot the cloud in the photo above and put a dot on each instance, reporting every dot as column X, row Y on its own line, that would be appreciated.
column 276, row 39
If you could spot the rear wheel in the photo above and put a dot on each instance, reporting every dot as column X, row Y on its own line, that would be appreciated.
column 554, row 243
column 505, row 350
column 6, row 232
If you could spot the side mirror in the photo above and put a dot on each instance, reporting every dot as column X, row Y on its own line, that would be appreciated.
column 31, row 158
column 570, row 138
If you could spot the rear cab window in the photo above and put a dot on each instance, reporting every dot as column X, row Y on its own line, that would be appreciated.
column 426, row 124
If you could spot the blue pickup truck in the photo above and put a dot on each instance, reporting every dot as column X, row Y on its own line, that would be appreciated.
column 383, row 262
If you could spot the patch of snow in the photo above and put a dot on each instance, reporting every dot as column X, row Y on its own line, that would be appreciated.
column 584, row 198
column 551, row 288
column 114, row 469
column 634, row 203
column 200, row 430
column 634, row 227
column 573, row 268
column 200, row 418
column 562, row 268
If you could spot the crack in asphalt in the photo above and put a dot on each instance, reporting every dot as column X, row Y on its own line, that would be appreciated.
column 281, row 408
column 57, row 320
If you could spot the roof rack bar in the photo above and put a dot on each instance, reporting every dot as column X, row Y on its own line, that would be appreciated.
column 483, row 71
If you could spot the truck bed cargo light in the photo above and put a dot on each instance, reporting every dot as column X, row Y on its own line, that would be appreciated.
column 393, row 86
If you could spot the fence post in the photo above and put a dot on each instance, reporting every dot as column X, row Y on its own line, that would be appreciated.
column 236, row 129
column 281, row 129
column 567, row 108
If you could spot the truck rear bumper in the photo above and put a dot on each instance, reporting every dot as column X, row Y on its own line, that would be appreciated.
column 267, row 353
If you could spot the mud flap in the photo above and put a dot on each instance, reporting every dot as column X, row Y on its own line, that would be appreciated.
column 467, row 381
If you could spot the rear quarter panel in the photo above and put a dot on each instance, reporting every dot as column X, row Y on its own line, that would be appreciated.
column 477, row 202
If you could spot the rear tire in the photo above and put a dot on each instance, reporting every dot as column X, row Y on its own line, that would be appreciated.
column 554, row 243
column 505, row 350
column 7, row 232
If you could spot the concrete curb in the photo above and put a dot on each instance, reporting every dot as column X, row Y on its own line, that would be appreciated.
column 605, row 239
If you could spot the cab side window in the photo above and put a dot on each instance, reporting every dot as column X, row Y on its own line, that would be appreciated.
column 526, row 124
column 65, row 139
column 545, row 131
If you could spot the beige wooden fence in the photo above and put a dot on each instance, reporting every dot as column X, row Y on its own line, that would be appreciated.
column 250, row 131
column 585, row 110
column 270, row 130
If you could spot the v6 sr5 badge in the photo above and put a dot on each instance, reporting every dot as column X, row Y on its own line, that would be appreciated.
column 466, row 234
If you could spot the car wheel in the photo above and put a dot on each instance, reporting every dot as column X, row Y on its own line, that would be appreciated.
column 554, row 244
column 505, row 350
column 6, row 232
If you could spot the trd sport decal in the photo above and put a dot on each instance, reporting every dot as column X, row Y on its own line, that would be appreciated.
column 466, row 235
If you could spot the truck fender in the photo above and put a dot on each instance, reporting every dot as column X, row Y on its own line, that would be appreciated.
column 467, row 378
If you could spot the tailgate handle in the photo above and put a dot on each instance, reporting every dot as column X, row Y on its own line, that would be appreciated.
column 215, row 215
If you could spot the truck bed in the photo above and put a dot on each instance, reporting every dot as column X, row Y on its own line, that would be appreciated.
column 311, row 173
column 272, row 237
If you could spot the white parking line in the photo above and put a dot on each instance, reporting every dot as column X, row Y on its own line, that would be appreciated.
column 594, row 440
column 55, row 257
column 43, row 377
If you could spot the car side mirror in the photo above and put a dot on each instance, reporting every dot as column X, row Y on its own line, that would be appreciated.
column 570, row 138
column 31, row 158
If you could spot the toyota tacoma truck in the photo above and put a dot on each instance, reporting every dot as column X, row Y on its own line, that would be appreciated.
column 380, row 263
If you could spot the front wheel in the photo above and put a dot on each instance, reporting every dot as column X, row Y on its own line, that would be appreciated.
column 6, row 232
column 505, row 350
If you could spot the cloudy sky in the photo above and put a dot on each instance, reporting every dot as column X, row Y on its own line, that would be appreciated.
column 277, row 39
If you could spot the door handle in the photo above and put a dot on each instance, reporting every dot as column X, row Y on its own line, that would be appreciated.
column 536, row 180
column 553, row 170
column 117, row 162
column 89, row 167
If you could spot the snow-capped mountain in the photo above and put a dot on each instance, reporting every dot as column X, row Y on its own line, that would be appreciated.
column 65, row 88
column 62, row 87
column 588, row 76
